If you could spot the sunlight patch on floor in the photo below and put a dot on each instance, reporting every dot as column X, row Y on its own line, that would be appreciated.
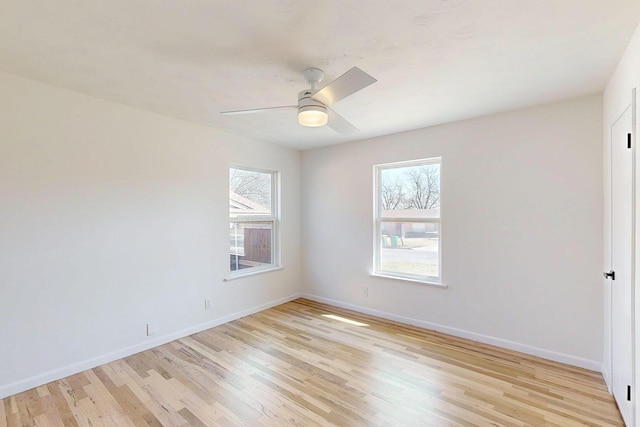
column 344, row 319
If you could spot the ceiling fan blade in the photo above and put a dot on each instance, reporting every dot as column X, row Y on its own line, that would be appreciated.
column 347, row 84
column 340, row 124
column 258, row 110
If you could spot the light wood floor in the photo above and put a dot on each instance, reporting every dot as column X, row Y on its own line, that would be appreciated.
column 294, row 365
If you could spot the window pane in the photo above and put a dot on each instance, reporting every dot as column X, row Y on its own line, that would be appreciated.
column 410, row 248
column 410, row 191
column 249, row 193
column 250, row 244
column 407, row 202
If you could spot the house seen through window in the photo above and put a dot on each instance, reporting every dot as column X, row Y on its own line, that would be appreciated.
column 252, row 220
column 407, row 220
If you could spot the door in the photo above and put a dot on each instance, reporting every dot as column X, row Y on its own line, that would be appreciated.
column 621, row 263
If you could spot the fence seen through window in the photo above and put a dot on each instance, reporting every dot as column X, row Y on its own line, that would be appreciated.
column 252, row 220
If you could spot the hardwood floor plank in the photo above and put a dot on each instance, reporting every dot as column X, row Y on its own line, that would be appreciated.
column 124, row 399
column 51, row 413
column 3, row 415
column 191, row 418
column 64, row 412
column 157, row 406
column 309, row 364
column 106, row 403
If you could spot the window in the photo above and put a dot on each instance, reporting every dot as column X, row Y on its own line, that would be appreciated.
column 407, row 220
column 253, row 221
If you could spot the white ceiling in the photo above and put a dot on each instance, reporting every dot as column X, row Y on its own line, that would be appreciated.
column 436, row 61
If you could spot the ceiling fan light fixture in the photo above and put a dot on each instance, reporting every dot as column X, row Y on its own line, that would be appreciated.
column 313, row 116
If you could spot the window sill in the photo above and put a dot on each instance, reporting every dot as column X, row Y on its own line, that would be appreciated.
column 407, row 279
column 250, row 273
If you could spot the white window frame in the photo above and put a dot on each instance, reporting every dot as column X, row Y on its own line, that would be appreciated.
column 378, row 220
column 274, row 219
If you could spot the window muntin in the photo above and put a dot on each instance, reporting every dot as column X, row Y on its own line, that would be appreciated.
column 407, row 220
column 253, row 221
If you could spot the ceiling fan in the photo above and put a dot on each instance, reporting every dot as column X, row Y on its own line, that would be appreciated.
column 313, row 104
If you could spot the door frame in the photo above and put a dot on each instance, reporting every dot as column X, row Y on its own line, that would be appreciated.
column 607, row 368
column 635, row 262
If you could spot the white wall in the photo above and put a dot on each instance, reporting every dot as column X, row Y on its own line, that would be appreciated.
column 521, row 224
column 111, row 217
column 617, row 97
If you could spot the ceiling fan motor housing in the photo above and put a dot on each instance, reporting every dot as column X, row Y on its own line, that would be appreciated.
column 311, row 113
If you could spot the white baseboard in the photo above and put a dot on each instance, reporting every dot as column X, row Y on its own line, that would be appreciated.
column 486, row 339
column 56, row 374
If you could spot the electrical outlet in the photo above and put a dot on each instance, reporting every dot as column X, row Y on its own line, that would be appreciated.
column 365, row 292
column 207, row 304
column 152, row 328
